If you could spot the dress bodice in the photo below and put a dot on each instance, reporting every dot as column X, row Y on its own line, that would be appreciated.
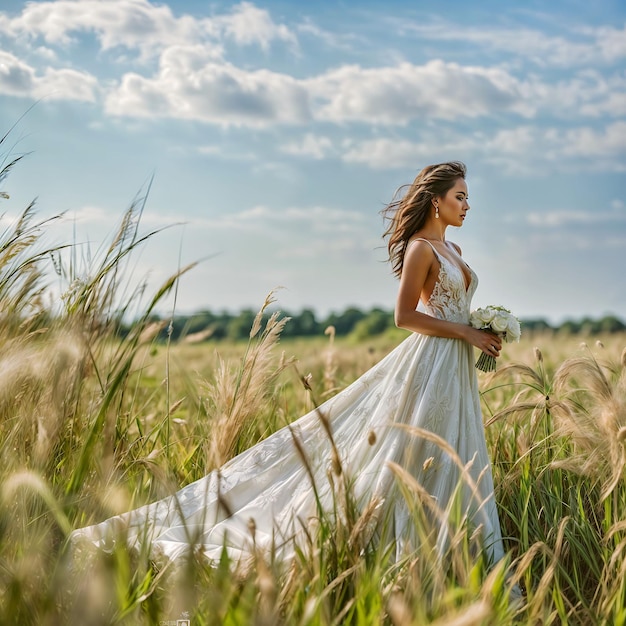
column 450, row 299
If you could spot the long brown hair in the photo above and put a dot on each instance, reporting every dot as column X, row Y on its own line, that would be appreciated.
column 407, row 212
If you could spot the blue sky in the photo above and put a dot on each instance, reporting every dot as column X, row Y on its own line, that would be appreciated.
column 277, row 131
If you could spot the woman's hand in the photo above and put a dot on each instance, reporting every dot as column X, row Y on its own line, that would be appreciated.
column 484, row 340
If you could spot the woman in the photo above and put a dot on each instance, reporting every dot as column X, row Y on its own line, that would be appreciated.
column 413, row 416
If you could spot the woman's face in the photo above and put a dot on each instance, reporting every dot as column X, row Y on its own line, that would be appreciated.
column 453, row 206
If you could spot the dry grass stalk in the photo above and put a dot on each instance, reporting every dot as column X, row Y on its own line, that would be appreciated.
column 236, row 398
column 465, row 476
column 534, row 396
column 32, row 481
column 399, row 610
column 330, row 364
column 365, row 525
column 414, row 486
column 38, row 377
column 592, row 414
column 151, row 331
column 544, row 587
column 200, row 336
column 473, row 615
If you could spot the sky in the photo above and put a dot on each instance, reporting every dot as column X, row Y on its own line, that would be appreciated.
column 276, row 131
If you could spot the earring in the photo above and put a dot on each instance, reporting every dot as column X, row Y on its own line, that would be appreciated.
column 436, row 211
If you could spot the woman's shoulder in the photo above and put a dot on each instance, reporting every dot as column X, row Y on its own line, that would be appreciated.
column 420, row 249
column 419, row 243
column 424, row 248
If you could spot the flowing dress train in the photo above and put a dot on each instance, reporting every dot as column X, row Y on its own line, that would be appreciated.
column 426, row 383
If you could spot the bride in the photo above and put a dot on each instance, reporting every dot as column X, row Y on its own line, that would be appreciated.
column 415, row 414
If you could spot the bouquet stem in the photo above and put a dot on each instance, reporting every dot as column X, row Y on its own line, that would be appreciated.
column 486, row 363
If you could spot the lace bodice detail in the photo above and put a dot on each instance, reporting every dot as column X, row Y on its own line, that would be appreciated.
column 450, row 300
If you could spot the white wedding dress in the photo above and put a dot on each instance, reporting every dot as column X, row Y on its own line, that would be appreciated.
column 427, row 383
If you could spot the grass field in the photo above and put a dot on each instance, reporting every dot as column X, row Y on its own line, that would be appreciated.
column 91, row 426
column 81, row 443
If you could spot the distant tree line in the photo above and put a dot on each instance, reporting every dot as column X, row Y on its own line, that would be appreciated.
column 584, row 326
column 353, row 321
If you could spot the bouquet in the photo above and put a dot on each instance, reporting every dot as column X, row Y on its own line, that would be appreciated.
column 499, row 321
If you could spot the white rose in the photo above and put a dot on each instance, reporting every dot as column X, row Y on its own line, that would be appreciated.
column 500, row 322
column 513, row 330
column 475, row 321
column 490, row 313
column 482, row 317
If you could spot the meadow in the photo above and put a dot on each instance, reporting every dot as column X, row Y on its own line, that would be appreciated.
column 92, row 425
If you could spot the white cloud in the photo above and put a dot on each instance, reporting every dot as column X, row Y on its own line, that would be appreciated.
column 587, row 142
column 129, row 23
column 339, row 41
column 91, row 215
column 97, row 216
column 66, row 84
column 304, row 220
column 593, row 45
column 46, row 53
column 392, row 153
column 537, row 150
column 209, row 150
column 396, row 95
column 141, row 25
column 248, row 24
column 603, row 96
column 335, row 248
column 588, row 93
column 521, row 150
column 317, row 217
column 18, row 78
column 315, row 146
column 613, row 104
column 610, row 41
column 386, row 153
column 317, row 231
column 551, row 144
column 193, row 80
column 561, row 218
column 190, row 85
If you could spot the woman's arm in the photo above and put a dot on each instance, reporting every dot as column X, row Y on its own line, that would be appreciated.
column 419, row 274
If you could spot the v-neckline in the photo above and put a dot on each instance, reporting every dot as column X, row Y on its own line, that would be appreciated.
column 466, row 284
column 467, row 276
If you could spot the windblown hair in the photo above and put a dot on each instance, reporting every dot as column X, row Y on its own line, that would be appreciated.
column 407, row 212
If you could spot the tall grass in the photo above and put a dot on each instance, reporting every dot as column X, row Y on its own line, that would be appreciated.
column 562, row 487
column 93, row 424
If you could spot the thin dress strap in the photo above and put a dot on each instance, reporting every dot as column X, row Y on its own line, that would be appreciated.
column 428, row 242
